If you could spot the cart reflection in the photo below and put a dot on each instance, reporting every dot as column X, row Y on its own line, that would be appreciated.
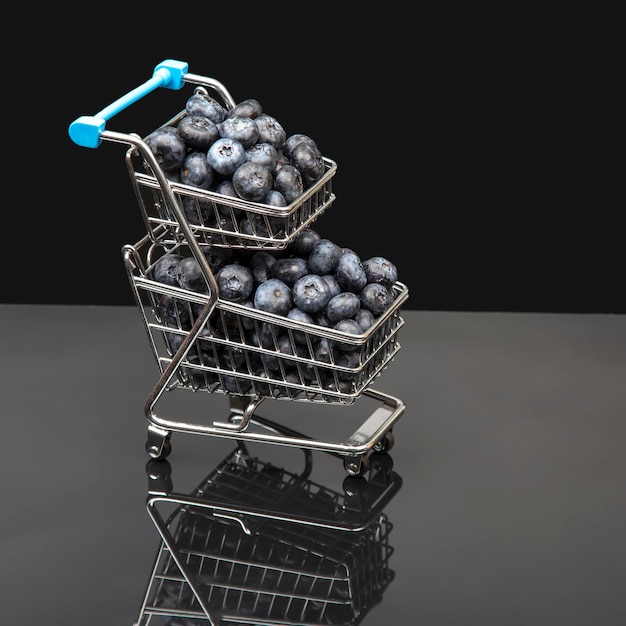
column 255, row 543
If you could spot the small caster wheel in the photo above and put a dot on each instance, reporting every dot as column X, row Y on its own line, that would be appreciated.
column 381, row 463
column 385, row 444
column 356, row 465
column 159, row 452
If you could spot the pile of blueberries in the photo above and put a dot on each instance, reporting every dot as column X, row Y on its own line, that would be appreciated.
column 311, row 280
column 241, row 152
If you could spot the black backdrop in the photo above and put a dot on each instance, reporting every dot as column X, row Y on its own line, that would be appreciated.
column 471, row 162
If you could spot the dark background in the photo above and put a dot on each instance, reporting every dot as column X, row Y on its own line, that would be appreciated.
column 475, row 158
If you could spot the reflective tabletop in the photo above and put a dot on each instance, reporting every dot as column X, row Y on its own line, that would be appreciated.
column 502, row 499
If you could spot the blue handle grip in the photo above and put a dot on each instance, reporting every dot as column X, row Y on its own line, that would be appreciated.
column 86, row 130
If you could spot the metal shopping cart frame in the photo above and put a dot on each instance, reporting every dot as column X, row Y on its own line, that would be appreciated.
column 299, row 377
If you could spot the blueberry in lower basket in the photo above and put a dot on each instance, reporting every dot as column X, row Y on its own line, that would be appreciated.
column 311, row 293
column 165, row 269
column 235, row 282
column 273, row 296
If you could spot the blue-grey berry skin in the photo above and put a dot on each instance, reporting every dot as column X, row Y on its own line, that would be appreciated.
column 343, row 306
column 293, row 140
column 198, row 132
column 376, row 298
column 301, row 316
column 263, row 153
column 243, row 129
column 273, row 296
column 165, row 269
column 323, row 257
column 252, row 181
column 288, row 180
column 205, row 105
column 308, row 159
column 168, row 147
column 226, row 188
column 303, row 242
column 235, row 282
column 289, row 269
column 190, row 275
column 174, row 311
column 349, row 272
column 347, row 326
column 271, row 131
column 196, row 171
column 275, row 198
column 250, row 107
column 378, row 269
column 311, row 293
column 217, row 257
column 365, row 318
column 335, row 287
column 226, row 155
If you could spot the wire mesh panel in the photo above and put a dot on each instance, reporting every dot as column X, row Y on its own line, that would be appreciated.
column 248, row 569
column 246, row 351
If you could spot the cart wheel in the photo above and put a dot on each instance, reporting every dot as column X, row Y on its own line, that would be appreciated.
column 161, row 451
column 386, row 443
column 381, row 463
column 356, row 465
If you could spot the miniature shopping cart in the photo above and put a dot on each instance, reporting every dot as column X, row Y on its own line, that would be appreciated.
column 256, row 543
column 200, row 342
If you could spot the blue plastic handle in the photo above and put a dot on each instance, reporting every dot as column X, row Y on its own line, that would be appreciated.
column 86, row 130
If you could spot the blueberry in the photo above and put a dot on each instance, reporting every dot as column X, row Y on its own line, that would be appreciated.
column 190, row 275
column 378, row 269
column 349, row 272
column 301, row 316
column 293, row 140
column 196, row 171
column 350, row 327
column 302, row 243
column 225, row 155
column 263, row 153
column 243, row 129
column 246, row 108
column 273, row 296
column 342, row 306
column 364, row 318
column 271, row 131
column 289, row 269
column 206, row 106
column 275, row 198
column 165, row 269
column 376, row 298
column 311, row 293
column 324, row 351
column 226, row 188
column 217, row 257
column 198, row 132
column 168, row 147
column 335, row 287
column 308, row 159
column 323, row 257
column 252, row 181
column 288, row 180
column 235, row 282
column 174, row 311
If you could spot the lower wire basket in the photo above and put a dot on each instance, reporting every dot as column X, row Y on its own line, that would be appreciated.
column 211, row 345
column 225, row 558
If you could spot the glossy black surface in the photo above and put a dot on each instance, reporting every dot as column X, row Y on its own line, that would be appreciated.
column 503, row 500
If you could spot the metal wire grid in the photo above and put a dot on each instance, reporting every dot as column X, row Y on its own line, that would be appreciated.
column 228, row 357
column 279, row 573
column 226, row 221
